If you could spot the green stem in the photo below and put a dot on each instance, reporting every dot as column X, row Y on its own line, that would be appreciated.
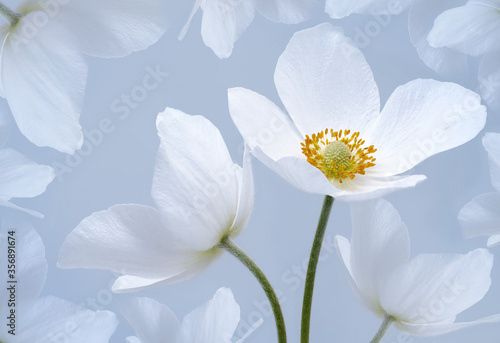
column 237, row 252
column 12, row 16
column 383, row 329
column 311, row 268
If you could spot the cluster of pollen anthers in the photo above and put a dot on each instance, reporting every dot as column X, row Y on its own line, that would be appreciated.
column 337, row 154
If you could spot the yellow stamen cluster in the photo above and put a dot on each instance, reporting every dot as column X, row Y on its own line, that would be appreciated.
column 338, row 154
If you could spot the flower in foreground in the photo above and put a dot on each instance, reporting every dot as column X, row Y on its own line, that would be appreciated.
column 44, row 319
column 224, row 21
column 338, row 142
column 201, row 197
column 473, row 29
column 481, row 216
column 42, row 59
column 422, row 296
column 20, row 177
column 214, row 321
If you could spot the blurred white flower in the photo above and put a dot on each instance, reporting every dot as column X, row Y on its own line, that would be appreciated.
column 481, row 216
column 214, row 321
column 224, row 21
column 342, row 8
column 423, row 295
column 43, row 72
column 20, row 177
column 42, row 319
column 338, row 142
column 201, row 196
column 472, row 29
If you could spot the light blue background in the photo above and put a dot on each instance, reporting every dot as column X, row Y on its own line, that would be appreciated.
column 280, row 232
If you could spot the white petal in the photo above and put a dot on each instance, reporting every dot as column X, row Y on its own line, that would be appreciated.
column 245, row 196
column 49, row 70
column 6, row 203
column 379, row 245
column 224, row 21
column 152, row 322
column 444, row 61
column 422, row 118
column 20, row 177
column 132, row 339
column 324, row 82
column 481, row 217
column 342, row 8
column 128, row 239
column 263, row 124
column 185, row 28
column 433, row 288
column 493, row 241
column 343, row 248
column 491, row 142
column 489, row 79
column 131, row 283
column 214, row 321
column 50, row 319
column 471, row 29
column 113, row 28
column 288, row 11
column 195, row 186
column 31, row 265
column 445, row 327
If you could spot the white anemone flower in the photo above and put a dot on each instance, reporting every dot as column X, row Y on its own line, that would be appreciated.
column 338, row 142
column 42, row 59
column 224, row 21
column 214, row 321
column 337, row 9
column 422, row 296
column 473, row 29
column 20, row 177
column 201, row 196
column 44, row 319
column 481, row 216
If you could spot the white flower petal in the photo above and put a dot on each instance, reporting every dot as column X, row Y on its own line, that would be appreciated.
column 20, row 177
column 444, row 61
column 422, row 118
column 489, row 79
column 288, row 11
column 493, row 241
column 152, row 322
column 342, row 8
column 379, row 245
column 223, row 22
column 246, row 195
column 343, row 248
column 435, row 329
column 324, row 82
column 366, row 187
column 491, row 142
column 481, row 217
column 128, row 239
column 471, row 29
column 214, row 321
column 113, row 28
column 132, row 339
column 433, row 288
column 262, row 124
column 49, row 70
column 6, row 203
column 195, row 186
column 185, row 28
column 131, row 283
column 50, row 319
column 31, row 265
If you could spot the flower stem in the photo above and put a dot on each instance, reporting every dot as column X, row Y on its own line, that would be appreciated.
column 237, row 252
column 311, row 268
column 383, row 329
column 12, row 16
